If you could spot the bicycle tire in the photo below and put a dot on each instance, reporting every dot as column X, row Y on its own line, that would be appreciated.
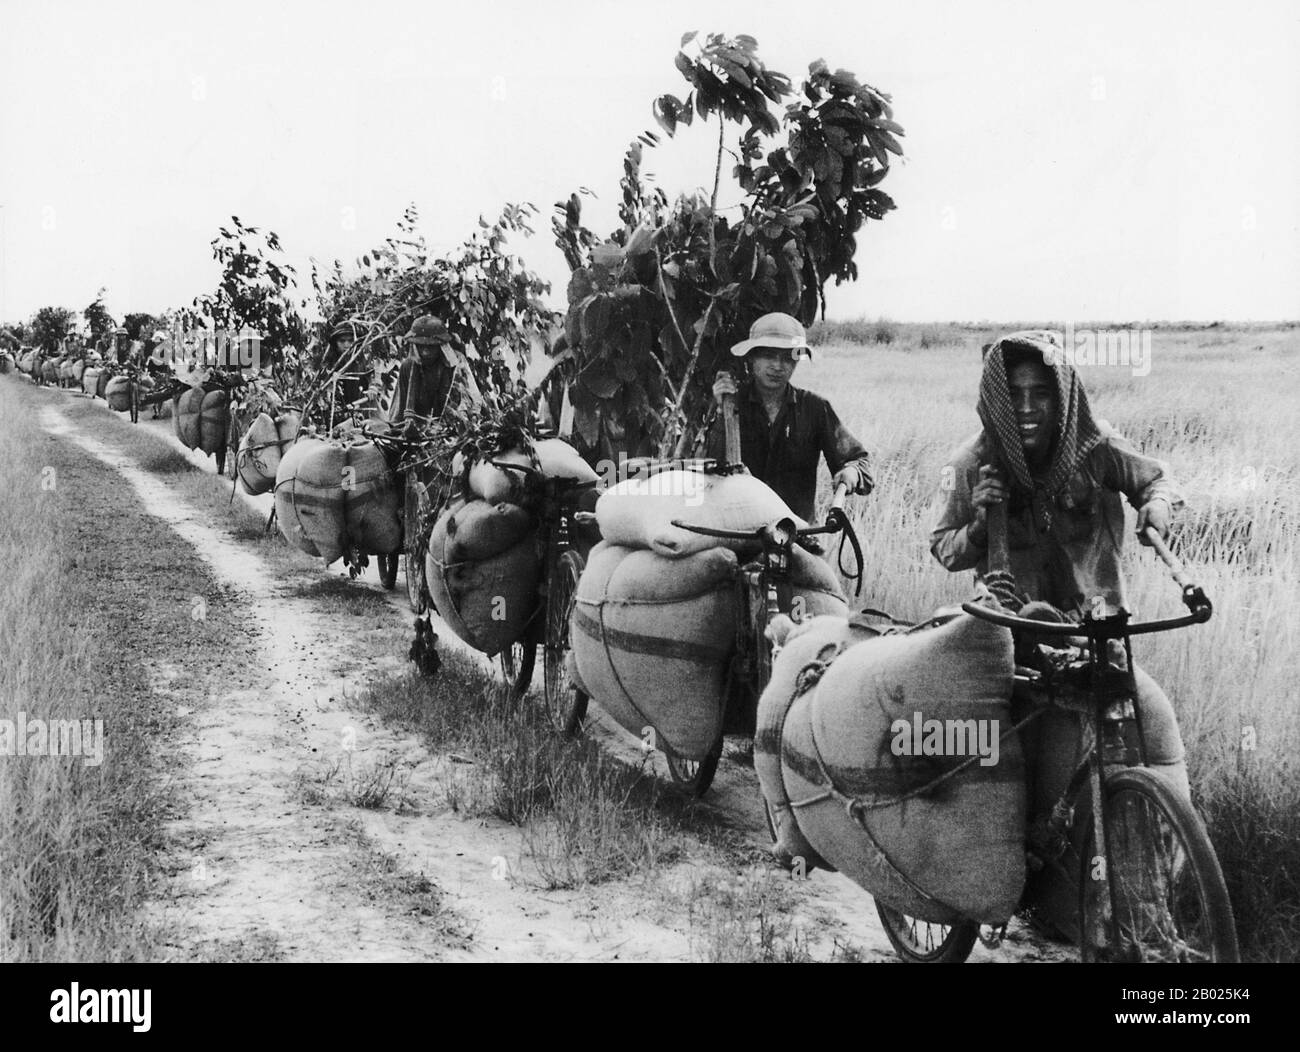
column 694, row 777
column 1193, row 922
column 565, row 702
column 925, row 942
column 517, row 662
column 388, row 571
column 413, row 548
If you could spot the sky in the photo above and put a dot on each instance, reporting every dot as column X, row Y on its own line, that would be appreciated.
column 1063, row 161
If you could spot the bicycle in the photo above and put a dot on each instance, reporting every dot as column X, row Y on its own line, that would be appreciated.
column 763, row 592
column 1149, row 884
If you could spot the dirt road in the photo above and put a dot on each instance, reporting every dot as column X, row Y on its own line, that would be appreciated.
column 270, row 857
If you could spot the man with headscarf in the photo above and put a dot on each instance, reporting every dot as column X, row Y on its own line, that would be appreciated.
column 1062, row 474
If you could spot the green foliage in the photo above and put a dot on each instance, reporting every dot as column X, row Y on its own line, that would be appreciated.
column 140, row 326
column 653, row 308
column 256, row 291
column 101, row 323
column 469, row 431
column 49, row 325
column 489, row 301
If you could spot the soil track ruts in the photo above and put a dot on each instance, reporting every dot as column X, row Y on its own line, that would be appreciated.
column 263, row 691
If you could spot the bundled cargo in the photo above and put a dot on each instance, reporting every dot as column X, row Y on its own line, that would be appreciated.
column 189, row 405
column 877, row 726
column 50, row 371
column 262, row 448
column 67, row 375
column 332, row 496
column 483, row 569
column 652, row 637
column 90, row 379
column 813, row 589
column 214, row 421
column 639, row 512
column 797, row 648
column 118, row 394
column 502, row 477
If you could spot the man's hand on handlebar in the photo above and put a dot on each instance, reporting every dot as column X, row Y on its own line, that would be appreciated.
column 854, row 478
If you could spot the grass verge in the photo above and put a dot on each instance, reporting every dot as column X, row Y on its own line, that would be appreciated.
column 76, row 839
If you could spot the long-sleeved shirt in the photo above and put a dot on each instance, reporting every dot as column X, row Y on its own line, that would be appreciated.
column 423, row 387
column 1078, row 558
column 784, row 452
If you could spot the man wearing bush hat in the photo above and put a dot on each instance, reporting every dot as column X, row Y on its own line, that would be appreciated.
column 428, row 375
column 784, row 430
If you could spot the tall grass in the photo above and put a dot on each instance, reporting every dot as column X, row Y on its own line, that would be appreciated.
column 1219, row 406
column 75, row 840
column 586, row 815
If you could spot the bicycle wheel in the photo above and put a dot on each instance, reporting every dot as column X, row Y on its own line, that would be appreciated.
column 388, row 571
column 566, row 703
column 517, row 661
column 694, row 776
column 414, row 547
column 228, row 463
column 924, row 942
column 1170, row 901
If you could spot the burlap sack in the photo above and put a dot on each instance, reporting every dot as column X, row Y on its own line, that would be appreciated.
column 951, row 851
column 371, row 500
column 490, row 602
column 639, row 512
column 309, row 503
column 652, row 638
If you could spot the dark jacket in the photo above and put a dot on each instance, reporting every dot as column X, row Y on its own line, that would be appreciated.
column 422, row 390
column 785, row 452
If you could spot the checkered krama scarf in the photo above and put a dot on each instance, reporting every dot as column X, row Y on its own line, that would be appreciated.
column 1076, row 432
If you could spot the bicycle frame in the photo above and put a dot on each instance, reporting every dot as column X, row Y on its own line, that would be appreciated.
column 1111, row 702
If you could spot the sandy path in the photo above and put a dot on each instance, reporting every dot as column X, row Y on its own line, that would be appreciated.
column 260, row 872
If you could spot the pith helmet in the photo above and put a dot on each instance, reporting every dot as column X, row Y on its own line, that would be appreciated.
column 428, row 329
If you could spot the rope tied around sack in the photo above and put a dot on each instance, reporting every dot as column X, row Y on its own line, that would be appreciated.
column 857, row 808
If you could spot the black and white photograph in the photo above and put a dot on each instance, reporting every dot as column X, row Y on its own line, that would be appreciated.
column 702, row 482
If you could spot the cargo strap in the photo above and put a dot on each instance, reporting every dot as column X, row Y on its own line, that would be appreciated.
column 640, row 644
column 856, row 807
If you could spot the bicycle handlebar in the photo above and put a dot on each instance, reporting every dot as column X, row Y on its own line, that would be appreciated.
column 1194, row 598
column 835, row 521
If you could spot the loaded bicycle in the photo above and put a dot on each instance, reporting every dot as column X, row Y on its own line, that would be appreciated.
column 1134, row 852
column 764, row 590
column 565, row 536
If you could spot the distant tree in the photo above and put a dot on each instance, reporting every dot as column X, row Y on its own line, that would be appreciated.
column 257, row 291
column 49, row 326
column 97, row 317
column 140, row 326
